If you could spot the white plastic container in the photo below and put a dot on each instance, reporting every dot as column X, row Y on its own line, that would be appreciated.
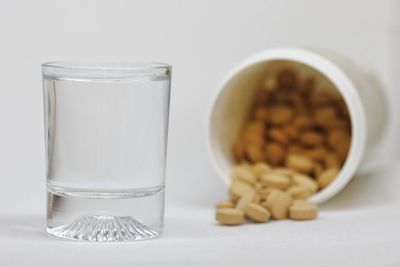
column 233, row 98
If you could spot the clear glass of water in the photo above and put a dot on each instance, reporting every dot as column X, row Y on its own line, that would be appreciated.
column 106, row 136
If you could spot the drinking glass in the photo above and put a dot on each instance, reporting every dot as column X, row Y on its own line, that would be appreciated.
column 106, row 131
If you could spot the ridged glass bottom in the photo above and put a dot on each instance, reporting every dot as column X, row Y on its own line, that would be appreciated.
column 98, row 216
column 104, row 229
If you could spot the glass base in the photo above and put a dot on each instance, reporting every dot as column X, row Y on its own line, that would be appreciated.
column 105, row 216
column 104, row 229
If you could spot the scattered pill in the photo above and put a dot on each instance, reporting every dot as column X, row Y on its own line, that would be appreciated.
column 256, row 212
column 274, row 154
column 279, row 136
column 299, row 163
column 284, row 171
column 238, row 189
column 306, row 182
column 225, row 204
column 298, row 192
column 278, row 203
column 296, row 140
column 302, row 210
column 244, row 174
column 244, row 200
column 327, row 177
column 275, row 180
column 311, row 138
column 228, row 216
column 261, row 168
column 280, row 115
column 331, row 160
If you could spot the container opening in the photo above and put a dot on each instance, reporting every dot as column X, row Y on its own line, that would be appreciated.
column 297, row 109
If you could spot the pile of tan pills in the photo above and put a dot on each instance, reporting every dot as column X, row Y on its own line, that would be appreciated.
column 294, row 143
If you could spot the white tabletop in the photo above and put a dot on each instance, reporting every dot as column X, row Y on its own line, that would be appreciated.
column 360, row 227
column 203, row 40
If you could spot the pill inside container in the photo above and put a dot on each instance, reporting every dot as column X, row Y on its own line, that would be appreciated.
column 234, row 103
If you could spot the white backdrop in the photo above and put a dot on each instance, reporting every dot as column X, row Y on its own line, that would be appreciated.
column 201, row 39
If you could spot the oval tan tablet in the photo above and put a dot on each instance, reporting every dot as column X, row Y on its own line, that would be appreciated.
column 252, row 138
column 303, row 121
column 260, row 169
column 261, row 113
column 233, row 198
column 318, row 169
column 244, row 174
column 278, row 135
column 225, row 204
column 331, row 160
column 324, row 115
column 229, row 216
column 311, row 138
column 280, row 114
column 238, row 150
column 302, row 210
column 245, row 164
column 319, row 97
column 238, row 189
column 255, row 153
column 274, row 153
column 278, row 204
column 295, row 149
column 291, row 131
column 258, row 187
column 257, row 213
column 336, row 136
column 340, row 141
column 299, row 163
column 305, row 181
column 253, row 133
column 343, row 124
column 275, row 180
column 284, row 171
column 244, row 200
column 342, row 149
column 264, row 193
column 254, row 126
column 264, row 203
column 256, row 198
column 327, row 177
column 315, row 153
column 298, row 192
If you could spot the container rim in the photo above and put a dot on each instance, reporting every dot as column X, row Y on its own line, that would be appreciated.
column 343, row 84
column 80, row 70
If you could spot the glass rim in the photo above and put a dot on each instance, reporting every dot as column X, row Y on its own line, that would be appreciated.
column 105, row 71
